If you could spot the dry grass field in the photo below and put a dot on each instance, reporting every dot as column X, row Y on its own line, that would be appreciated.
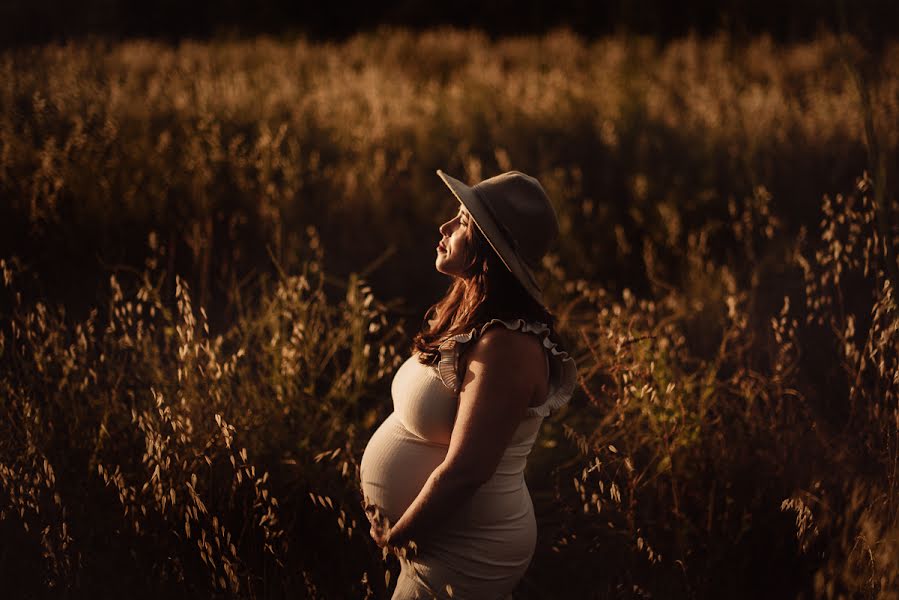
column 214, row 256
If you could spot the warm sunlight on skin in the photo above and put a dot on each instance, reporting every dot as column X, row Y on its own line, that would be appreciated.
column 492, row 402
column 453, row 249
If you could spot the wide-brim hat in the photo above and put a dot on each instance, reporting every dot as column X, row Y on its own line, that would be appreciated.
column 516, row 217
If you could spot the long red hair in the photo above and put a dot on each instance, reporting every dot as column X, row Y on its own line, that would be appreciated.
column 487, row 290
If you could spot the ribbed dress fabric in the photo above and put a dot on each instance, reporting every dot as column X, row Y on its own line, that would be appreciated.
column 484, row 548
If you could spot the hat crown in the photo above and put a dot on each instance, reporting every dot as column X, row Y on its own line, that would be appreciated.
column 520, row 206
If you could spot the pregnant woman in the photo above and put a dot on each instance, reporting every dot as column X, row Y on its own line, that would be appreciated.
column 443, row 476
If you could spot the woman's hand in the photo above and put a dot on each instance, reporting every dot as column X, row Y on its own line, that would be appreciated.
column 380, row 526
column 380, row 535
column 386, row 536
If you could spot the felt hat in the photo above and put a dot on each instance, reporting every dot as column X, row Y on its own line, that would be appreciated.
column 514, row 213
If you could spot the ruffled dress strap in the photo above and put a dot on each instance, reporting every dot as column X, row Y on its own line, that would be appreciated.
column 562, row 368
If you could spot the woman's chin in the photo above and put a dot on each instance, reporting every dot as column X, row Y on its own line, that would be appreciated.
column 442, row 267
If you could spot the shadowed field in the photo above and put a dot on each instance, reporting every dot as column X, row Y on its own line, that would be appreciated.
column 215, row 255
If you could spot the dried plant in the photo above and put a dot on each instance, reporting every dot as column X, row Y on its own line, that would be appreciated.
column 197, row 428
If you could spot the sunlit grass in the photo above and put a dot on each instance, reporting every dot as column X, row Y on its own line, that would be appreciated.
column 736, row 428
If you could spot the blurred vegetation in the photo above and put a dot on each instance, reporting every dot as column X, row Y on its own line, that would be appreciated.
column 194, row 352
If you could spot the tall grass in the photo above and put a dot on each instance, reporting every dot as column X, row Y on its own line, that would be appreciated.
column 163, row 438
column 691, row 454
column 192, row 424
column 225, row 148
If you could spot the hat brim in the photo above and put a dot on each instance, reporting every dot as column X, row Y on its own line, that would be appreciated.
column 484, row 220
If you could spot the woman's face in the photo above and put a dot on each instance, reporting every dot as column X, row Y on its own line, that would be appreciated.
column 455, row 247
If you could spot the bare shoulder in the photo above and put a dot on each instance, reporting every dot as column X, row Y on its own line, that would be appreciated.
column 502, row 348
column 502, row 339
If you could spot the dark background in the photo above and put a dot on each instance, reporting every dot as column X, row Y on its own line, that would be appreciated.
column 39, row 21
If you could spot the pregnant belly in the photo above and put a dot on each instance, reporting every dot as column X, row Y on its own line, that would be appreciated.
column 395, row 466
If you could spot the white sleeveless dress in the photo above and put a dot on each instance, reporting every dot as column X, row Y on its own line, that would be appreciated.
column 484, row 548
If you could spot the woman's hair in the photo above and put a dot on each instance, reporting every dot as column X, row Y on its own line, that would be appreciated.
column 487, row 290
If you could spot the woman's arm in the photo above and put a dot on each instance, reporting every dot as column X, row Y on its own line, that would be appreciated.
column 504, row 369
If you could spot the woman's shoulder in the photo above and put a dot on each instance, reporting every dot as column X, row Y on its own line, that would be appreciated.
column 496, row 338
column 499, row 342
column 521, row 341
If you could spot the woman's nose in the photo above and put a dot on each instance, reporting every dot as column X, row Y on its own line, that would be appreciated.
column 443, row 228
